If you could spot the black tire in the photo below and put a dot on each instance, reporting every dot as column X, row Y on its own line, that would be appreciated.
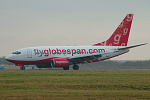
column 66, row 68
column 75, row 67
column 23, row 68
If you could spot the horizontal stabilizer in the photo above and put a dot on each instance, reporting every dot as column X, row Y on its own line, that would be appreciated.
column 131, row 46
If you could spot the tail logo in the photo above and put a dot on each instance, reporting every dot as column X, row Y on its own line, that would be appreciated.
column 129, row 17
column 120, row 35
column 117, row 39
column 125, row 31
column 121, row 24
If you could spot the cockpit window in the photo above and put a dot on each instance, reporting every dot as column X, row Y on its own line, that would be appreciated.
column 16, row 52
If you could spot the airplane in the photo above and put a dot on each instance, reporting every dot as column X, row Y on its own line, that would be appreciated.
column 64, row 56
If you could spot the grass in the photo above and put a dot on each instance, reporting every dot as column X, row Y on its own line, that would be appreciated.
column 81, row 84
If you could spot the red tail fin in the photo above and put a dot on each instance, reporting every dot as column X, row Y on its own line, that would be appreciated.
column 121, row 34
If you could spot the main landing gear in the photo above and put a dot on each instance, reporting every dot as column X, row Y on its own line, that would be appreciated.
column 75, row 67
column 22, row 68
column 66, row 68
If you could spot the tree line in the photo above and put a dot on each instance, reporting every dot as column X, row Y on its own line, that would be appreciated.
column 108, row 63
column 3, row 61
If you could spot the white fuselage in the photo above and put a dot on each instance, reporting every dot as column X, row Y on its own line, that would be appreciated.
column 33, row 55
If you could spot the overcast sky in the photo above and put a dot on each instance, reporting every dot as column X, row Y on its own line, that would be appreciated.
column 27, row 23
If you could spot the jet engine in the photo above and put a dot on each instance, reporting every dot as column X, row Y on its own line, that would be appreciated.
column 60, row 62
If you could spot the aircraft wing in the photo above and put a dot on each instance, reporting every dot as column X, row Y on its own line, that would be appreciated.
column 85, row 59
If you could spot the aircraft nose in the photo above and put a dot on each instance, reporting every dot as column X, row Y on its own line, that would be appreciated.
column 9, row 57
column 6, row 58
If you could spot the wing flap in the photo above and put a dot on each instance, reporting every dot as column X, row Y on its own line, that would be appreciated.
column 85, row 59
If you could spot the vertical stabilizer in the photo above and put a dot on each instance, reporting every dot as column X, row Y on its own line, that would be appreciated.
column 121, row 34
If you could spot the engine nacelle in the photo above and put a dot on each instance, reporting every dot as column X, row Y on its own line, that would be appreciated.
column 60, row 62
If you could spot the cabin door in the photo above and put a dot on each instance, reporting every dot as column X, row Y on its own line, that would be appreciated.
column 29, row 53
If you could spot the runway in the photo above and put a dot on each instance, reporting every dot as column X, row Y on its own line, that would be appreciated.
column 92, row 66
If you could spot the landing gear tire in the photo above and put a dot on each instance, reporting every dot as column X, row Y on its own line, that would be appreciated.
column 75, row 67
column 22, row 68
column 66, row 68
